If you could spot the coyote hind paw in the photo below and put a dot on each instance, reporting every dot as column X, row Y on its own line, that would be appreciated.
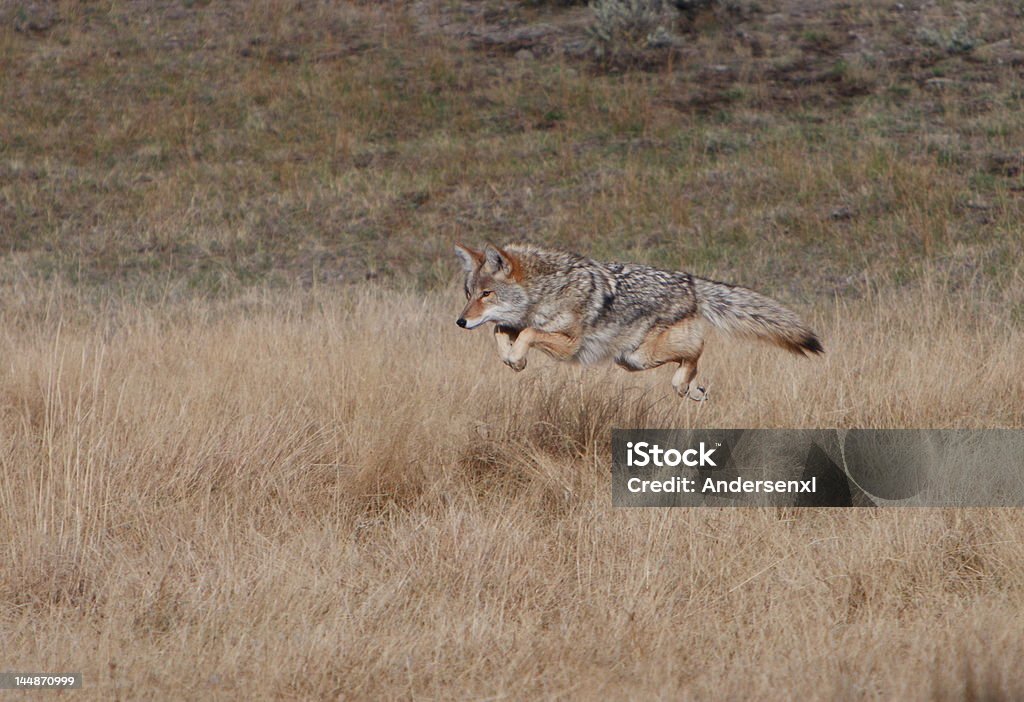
column 692, row 392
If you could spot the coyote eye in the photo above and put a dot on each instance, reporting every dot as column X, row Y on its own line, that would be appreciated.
column 486, row 293
column 466, row 290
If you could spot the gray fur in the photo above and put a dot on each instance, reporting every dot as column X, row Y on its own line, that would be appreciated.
column 613, row 307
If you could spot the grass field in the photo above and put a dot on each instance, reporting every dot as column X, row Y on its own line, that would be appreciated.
column 245, row 452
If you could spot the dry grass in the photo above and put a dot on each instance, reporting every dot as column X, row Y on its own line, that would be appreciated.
column 314, row 495
column 225, row 471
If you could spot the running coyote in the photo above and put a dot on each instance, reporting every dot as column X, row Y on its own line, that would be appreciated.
column 577, row 309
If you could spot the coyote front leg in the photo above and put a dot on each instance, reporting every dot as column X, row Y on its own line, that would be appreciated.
column 505, row 337
column 560, row 345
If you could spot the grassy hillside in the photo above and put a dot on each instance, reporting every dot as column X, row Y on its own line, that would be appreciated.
column 217, row 146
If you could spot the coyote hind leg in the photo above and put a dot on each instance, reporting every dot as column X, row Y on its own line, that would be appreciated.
column 684, row 377
column 681, row 343
column 686, row 339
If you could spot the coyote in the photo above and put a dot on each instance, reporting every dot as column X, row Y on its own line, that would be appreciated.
column 577, row 309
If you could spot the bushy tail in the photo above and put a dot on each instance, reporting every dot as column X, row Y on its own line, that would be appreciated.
column 743, row 312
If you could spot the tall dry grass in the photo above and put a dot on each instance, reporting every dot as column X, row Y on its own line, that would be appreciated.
column 306, row 494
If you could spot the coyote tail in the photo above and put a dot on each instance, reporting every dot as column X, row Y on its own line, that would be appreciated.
column 743, row 312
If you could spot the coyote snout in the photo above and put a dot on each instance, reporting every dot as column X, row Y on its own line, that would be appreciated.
column 577, row 309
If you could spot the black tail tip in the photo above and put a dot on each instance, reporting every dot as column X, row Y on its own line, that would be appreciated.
column 811, row 344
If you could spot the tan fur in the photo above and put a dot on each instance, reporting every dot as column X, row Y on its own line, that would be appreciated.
column 474, row 308
column 513, row 345
column 681, row 343
column 517, row 274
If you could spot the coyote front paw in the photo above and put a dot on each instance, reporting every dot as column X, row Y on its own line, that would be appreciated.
column 516, row 364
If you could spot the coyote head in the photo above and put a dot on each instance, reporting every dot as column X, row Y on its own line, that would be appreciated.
column 493, row 288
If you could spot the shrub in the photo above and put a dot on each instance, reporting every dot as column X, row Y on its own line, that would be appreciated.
column 626, row 29
column 955, row 41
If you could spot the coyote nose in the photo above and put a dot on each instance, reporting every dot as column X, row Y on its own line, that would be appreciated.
column 461, row 321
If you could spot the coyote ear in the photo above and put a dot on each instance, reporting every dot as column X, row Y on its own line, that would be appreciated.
column 470, row 258
column 499, row 262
